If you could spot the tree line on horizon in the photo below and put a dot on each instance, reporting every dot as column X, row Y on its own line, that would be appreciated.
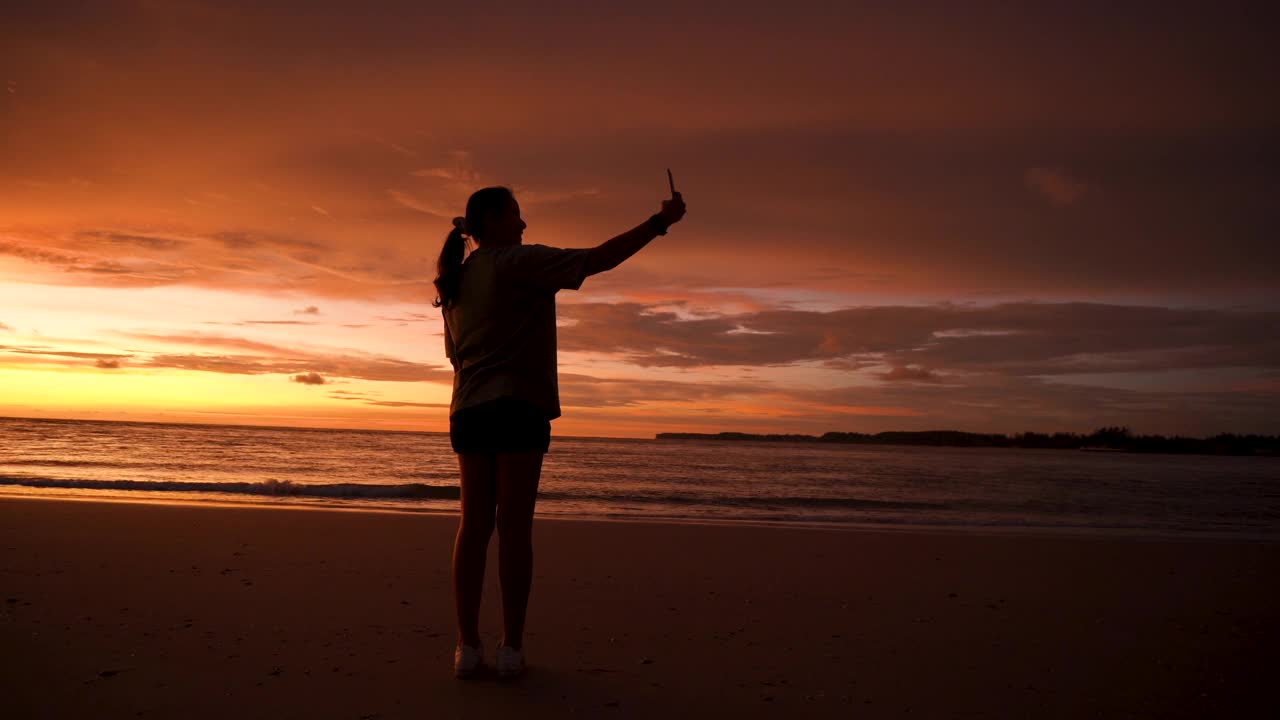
column 1119, row 439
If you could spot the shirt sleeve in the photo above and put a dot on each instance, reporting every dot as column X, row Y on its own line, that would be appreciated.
column 550, row 268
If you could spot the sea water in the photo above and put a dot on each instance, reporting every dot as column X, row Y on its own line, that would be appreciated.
column 884, row 486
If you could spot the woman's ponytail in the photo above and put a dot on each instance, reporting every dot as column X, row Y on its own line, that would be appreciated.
column 482, row 205
column 449, row 267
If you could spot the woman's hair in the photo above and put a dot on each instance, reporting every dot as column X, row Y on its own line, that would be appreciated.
column 483, row 204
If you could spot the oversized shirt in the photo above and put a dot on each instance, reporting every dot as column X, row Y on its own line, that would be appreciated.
column 501, row 331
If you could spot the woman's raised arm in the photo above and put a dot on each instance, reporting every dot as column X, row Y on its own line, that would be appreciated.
column 612, row 252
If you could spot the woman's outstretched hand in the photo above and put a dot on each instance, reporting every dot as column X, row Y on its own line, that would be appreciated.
column 612, row 252
column 673, row 209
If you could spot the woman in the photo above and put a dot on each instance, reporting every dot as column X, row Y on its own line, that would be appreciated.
column 500, row 335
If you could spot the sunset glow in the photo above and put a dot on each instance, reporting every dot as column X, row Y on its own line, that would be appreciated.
column 905, row 218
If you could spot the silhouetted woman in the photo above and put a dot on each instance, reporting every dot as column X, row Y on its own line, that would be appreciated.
column 500, row 334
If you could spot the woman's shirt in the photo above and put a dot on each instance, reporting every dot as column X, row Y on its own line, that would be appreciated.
column 501, row 331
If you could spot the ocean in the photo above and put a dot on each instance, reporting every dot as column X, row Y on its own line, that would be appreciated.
column 879, row 486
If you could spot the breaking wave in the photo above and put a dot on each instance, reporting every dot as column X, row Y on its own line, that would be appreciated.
column 275, row 488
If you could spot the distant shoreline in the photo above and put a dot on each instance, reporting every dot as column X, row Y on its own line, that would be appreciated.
column 1105, row 439
column 1102, row 440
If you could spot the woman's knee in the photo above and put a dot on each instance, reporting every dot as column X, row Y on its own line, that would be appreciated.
column 514, row 526
column 475, row 531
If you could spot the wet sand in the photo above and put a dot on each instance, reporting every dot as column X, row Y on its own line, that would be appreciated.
column 118, row 610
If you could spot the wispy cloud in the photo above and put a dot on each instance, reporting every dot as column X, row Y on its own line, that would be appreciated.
column 388, row 370
column 262, row 322
column 393, row 146
column 149, row 242
column 399, row 403
column 65, row 261
column 46, row 353
column 404, row 199
column 370, row 399
column 308, row 310
column 351, row 395
column 908, row 373
column 129, row 259
column 409, row 318
column 310, row 378
column 208, row 341
column 246, row 240
column 263, row 358
column 459, row 171
column 262, row 263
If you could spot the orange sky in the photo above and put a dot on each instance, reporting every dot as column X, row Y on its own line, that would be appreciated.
column 902, row 216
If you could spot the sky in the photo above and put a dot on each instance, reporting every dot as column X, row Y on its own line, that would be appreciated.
column 983, row 216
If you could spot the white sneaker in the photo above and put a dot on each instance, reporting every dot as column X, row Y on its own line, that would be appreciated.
column 467, row 659
column 510, row 662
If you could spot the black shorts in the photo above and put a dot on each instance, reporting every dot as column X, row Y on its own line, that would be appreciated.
column 500, row 426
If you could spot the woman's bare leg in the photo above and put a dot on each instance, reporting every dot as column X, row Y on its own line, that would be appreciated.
column 475, row 527
column 518, row 475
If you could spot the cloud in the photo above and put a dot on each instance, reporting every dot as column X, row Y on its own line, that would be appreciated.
column 5, row 327
column 879, row 213
column 394, row 147
column 48, row 352
column 460, row 172
column 397, row 403
column 648, row 336
column 1043, row 339
column 308, row 310
column 1011, row 338
column 116, row 259
column 309, row 379
column 264, row 358
column 149, row 242
column 368, row 399
column 406, row 200
column 378, row 369
column 249, row 240
column 1008, row 404
column 107, row 364
column 65, row 261
column 271, row 322
column 580, row 390
column 924, row 201
column 984, row 403
column 263, row 263
column 215, row 341
column 351, row 395
column 901, row 373
column 409, row 318
column 1057, row 186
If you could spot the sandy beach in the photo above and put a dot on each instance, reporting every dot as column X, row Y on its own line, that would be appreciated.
column 118, row 610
